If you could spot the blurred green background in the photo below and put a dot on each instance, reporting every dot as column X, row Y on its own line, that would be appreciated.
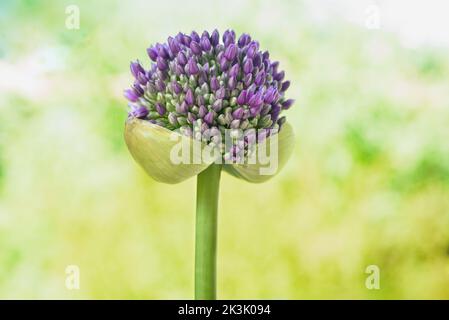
column 368, row 183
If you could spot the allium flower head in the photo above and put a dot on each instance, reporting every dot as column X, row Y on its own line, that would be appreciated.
column 197, row 83
column 231, row 80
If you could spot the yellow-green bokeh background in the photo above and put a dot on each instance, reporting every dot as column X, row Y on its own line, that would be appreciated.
column 368, row 183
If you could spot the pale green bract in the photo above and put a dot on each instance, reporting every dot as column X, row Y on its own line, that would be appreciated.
column 151, row 146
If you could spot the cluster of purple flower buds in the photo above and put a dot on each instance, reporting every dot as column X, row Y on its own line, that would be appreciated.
column 194, row 80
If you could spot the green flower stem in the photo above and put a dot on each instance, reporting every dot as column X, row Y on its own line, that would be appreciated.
column 208, row 185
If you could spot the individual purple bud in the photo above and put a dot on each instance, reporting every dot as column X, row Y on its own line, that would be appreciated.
column 176, row 87
column 266, row 108
column 171, row 67
column 254, row 111
column 228, row 37
column 258, row 103
column 192, row 67
column 270, row 95
column 202, row 111
column 196, row 48
column 249, row 95
column 173, row 45
column 230, row 52
column 205, row 43
column 179, row 70
column 202, row 78
column 161, row 74
column 189, row 97
column 234, row 70
column 260, row 78
column 252, row 50
column 215, row 38
column 204, row 128
column 182, row 108
column 220, row 53
column 275, row 111
column 274, row 66
column 255, row 100
column 181, row 58
column 248, row 66
column 171, row 55
column 138, row 89
column 265, row 56
column 160, row 109
column 161, row 64
column 191, row 117
column 172, row 119
column 235, row 124
column 142, row 79
column 223, row 64
column 151, row 87
column 195, row 36
column 136, row 68
column 241, row 99
column 186, row 40
column 214, row 84
column 266, row 65
column 220, row 94
column 209, row 118
column 279, row 76
column 226, row 34
column 287, row 104
column 238, row 113
column 131, row 95
column 205, row 34
column 179, row 37
column 251, row 90
column 247, row 80
column 205, row 68
column 152, row 53
column 257, row 60
column 285, row 86
column 244, row 40
column 232, row 82
column 138, row 112
column 160, row 85
column 217, row 105
column 162, row 51
column 200, row 100
column 149, row 73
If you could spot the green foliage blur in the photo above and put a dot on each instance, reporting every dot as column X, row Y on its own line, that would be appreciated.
column 368, row 183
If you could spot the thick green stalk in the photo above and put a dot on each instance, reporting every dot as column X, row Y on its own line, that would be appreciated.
column 208, row 185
